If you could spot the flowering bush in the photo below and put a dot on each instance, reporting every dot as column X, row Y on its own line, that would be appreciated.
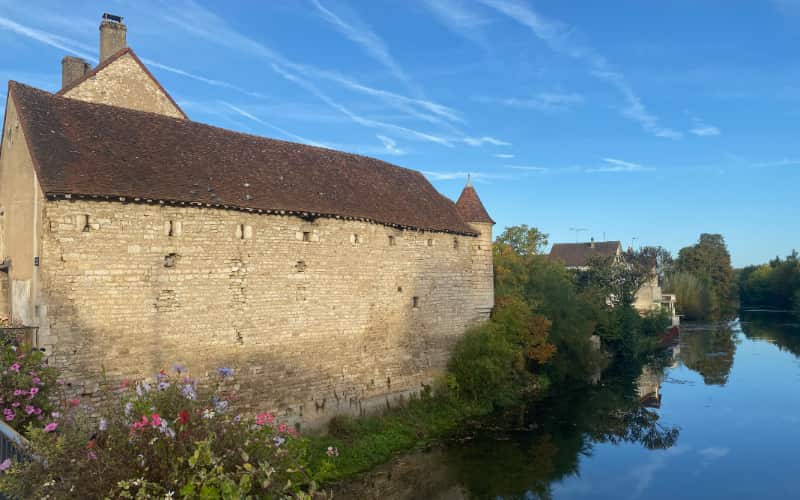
column 26, row 385
column 163, row 438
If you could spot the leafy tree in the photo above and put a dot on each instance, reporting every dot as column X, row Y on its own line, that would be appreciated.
column 523, row 240
column 775, row 284
column 710, row 262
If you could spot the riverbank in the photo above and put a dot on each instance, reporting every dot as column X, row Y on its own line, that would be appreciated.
column 355, row 445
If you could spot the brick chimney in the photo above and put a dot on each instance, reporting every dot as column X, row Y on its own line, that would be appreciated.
column 112, row 36
column 73, row 68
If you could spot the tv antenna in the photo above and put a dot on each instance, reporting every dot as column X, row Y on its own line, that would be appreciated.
column 578, row 231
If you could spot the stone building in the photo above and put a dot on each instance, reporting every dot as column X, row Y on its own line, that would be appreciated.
column 135, row 238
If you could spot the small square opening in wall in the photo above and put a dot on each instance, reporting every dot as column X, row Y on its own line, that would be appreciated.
column 430, row 242
column 391, row 241
column 240, row 231
column 455, row 243
column 306, row 235
column 415, row 302
column 355, row 239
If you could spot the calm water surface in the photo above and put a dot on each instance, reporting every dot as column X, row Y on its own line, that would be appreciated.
column 717, row 417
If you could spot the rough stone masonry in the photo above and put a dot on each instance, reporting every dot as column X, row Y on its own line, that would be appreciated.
column 136, row 239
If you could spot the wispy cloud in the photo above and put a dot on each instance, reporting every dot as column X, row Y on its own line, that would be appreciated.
column 705, row 131
column 265, row 123
column 786, row 162
column 208, row 81
column 714, row 453
column 390, row 145
column 543, row 101
column 51, row 39
column 615, row 165
column 563, row 39
column 528, row 168
column 504, row 156
column 361, row 120
column 480, row 141
column 362, row 34
column 459, row 18
column 478, row 176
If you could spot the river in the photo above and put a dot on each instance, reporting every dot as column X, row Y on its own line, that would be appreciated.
column 717, row 416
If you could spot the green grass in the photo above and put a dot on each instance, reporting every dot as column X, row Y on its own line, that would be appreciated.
column 366, row 442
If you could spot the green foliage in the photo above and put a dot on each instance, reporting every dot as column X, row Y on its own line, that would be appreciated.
column 774, row 285
column 710, row 262
column 365, row 442
column 694, row 300
column 618, row 279
column 523, row 240
column 158, row 438
column 27, row 386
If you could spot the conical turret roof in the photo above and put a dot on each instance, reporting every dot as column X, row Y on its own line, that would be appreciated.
column 470, row 207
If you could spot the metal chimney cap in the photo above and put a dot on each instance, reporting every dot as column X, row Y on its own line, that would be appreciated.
column 112, row 17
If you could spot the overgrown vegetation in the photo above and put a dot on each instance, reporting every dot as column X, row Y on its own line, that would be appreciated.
column 774, row 285
column 162, row 439
column 703, row 280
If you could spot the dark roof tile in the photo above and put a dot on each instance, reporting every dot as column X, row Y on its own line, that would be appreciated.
column 82, row 148
column 576, row 254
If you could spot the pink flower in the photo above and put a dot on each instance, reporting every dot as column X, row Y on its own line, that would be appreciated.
column 29, row 409
column 282, row 428
column 37, row 381
column 9, row 417
column 14, row 367
column 20, row 392
column 5, row 464
column 156, row 422
column 92, row 455
column 50, row 427
column 74, row 402
column 264, row 418
column 32, row 391
column 15, row 404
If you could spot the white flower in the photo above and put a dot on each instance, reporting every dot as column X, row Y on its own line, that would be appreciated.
column 208, row 413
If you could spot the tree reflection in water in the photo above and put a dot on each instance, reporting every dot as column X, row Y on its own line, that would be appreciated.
column 558, row 431
column 709, row 350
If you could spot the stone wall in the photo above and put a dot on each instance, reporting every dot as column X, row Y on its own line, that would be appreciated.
column 317, row 318
column 125, row 83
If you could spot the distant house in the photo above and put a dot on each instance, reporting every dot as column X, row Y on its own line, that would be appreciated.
column 577, row 256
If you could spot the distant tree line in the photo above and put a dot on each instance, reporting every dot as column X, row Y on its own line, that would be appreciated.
column 774, row 285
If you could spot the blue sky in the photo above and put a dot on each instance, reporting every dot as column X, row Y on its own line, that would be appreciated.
column 647, row 122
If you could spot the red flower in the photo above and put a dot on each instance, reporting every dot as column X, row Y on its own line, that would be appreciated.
column 91, row 444
column 183, row 417
column 74, row 402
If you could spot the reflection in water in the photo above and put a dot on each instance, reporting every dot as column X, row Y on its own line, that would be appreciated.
column 783, row 332
column 607, row 440
column 709, row 350
column 525, row 464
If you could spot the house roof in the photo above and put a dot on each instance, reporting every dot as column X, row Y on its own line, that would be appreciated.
column 577, row 254
column 95, row 150
column 470, row 207
column 108, row 61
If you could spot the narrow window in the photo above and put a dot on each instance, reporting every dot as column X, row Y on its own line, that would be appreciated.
column 430, row 242
column 399, row 288
column 455, row 243
column 391, row 241
column 306, row 236
column 248, row 233
column 170, row 228
column 240, row 231
column 83, row 223
column 415, row 302
column 356, row 240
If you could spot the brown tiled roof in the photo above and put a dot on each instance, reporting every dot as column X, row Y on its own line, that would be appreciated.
column 95, row 150
column 576, row 254
column 470, row 206
column 110, row 59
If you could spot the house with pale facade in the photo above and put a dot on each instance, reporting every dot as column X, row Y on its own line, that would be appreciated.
column 578, row 256
column 134, row 238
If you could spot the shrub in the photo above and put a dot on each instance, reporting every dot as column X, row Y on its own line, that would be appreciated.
column 162, row 439
column 26, row 386
column 694, row 300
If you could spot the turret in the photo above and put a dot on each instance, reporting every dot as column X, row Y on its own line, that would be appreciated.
column 474, row 213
